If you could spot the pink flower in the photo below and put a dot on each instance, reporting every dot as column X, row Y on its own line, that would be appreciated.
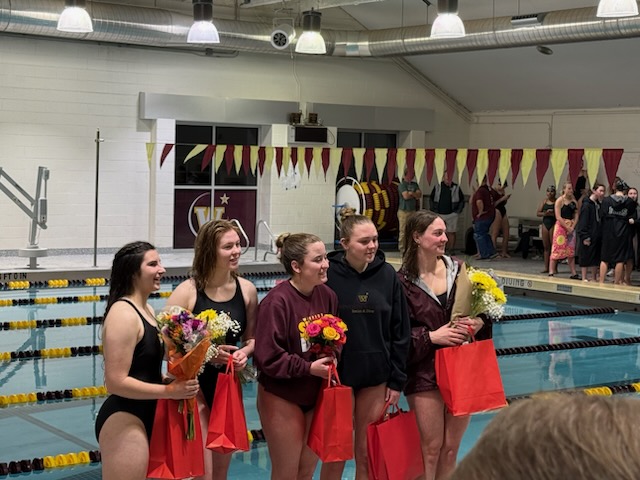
column 313, row 329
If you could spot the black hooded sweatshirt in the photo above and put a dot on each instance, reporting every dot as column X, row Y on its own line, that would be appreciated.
column 373, row 306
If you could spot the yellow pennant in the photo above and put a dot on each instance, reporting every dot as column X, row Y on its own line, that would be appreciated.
column 482, row 165
column 558, row 161
column 253, row 158
column 526, row 164
column 381, row 162
column 439, row 163
column 401, row 160
column 504, row 164
column 317, row 160
column 219, row 156
column 419, row 164
column 335, row 159
column 461, row 162
column 592, row 161
column 150, row 149
column 269, row 154
column 195, row 151
column 358, row 158
column 237, row 157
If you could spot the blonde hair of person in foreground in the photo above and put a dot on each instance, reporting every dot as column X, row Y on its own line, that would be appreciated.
column 558, row 436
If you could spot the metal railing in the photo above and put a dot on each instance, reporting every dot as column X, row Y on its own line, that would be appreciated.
column 244, row 235
column 272, row 238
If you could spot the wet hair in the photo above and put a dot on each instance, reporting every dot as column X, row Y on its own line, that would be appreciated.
column 205, row 250
column 557, row 436
column 417, row 223
column 126, row 267
column 294, row 247
column 349, row 223
column 621, row 186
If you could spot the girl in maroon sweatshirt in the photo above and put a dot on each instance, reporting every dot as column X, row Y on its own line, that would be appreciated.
column 290, row 375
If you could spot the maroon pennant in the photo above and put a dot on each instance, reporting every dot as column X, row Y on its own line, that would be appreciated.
column 262, row 157
column 326, row 160
column 369, row 160
column 472, row 160
column 516, row 159
column 429, row 158
column 246, row 159
column 494, row 157
column 411, row 163
column 575, row 163
column 308, row 158
column 228, row 158
column 208, row 155
column 165, row 151
column 347, row 158
column 294, row 157
column 611, row 158
column 392, row 154
column 542, row 164
column 450, row 162
column 279, row 160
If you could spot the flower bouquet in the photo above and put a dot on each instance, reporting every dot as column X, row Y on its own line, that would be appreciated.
column 325, row 334
column 477, row 292
column 189, row 347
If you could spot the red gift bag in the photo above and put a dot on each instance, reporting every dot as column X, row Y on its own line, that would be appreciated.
column 171, row 455
column 331, row 432
column 227, row 431
column 469, row 378
column 393, row 446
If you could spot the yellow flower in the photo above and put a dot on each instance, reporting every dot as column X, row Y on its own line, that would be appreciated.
column 302, row 326
column 498, row 295
column 330, row 333
column 560, row 240
column 343, row 326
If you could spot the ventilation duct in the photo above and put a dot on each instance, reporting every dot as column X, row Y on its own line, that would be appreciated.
column 160, row 28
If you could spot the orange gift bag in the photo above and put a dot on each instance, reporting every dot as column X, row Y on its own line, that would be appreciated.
column 393, row 446
column 171, row 455
column 331, row 432
column 469, row 378
column 227, row 431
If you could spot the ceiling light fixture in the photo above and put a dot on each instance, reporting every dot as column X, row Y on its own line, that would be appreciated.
column 203, row 30
column 311, row 40
column 75, row 18
column 617, row 8
column 447, row 24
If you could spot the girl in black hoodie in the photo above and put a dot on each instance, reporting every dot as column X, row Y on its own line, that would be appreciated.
column 372, row 304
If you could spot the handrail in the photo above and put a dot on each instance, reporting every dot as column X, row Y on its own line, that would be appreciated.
column 244, row 234
column 271, row 237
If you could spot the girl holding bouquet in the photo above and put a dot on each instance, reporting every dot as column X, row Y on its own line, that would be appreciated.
column 290, row 374
column 373, row 306
column 214, row 284
column 563, row 245
column 133, row 357
column 429, row 280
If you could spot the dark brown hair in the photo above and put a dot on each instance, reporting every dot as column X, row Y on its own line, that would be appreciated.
column 294, row 247
column 417, row 223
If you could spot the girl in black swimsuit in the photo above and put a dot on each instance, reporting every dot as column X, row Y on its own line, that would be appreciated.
column 216, row 285
column 546, row 211
column 132, row 365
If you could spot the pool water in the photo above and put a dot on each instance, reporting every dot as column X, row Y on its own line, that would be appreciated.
column 40, row 429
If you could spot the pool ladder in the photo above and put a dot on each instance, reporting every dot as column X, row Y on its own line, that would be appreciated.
column 272, row 249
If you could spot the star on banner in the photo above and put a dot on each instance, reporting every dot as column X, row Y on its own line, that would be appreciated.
column 224, row 199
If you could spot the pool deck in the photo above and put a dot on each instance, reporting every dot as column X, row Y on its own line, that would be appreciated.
column 520, row 275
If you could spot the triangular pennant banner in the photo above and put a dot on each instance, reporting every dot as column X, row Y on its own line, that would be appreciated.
column 516, row 158
column 195, row 151
column 472, row 161
column 419, row 163
column 461, row 162
column 207, row 157
column 411, row 162
column 392, row 174
column 308, row 159
column 482, row 165
column 262, row 158
column 368, row 163
column 381, row 155
column 165, row 151
column 401, row 161
column 528, row 159
column 358, row 159
column 335, row 158
column 326, row 160
column 542, row 164
column 575, row 163
column 558, row 161
column 450, row 162
column 150, row 149
column 219, row 156
column 278, row 157
column 592, row 161
column 317, row 160
column 253, row 158
column 611, row 158
column 347, row 159
column 503, row 165
column 438, row 162
column 287, row 158
column 430, row 155
column 493, row 156
column 245, row 159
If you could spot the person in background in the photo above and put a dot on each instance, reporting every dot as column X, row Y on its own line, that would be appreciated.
column 372, row 304
column 539, row 437
column 616, row 212
column 635, row 230
column 589, row 231
column 546, row 211
column 214, row 284
column 581, row 190
column 290, row 375
column 447, row 200
column 634, row 217
column 133, row 356
column 409, row 201
column 428, row 277
column 566, row 210
column 500, row 225
column 483, row 213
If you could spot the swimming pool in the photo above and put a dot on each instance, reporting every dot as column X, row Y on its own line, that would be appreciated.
column 61, row 426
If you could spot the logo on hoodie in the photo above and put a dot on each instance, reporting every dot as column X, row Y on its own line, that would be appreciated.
column 363, row 297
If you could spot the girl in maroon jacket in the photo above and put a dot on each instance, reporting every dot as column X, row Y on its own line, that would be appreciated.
column 429, row 280
column 290, row 375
